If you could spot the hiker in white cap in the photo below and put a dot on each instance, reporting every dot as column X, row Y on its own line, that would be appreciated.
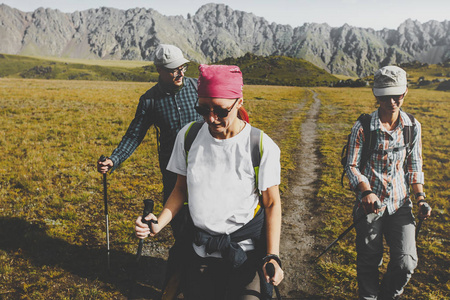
column 168, row 106
column 383, row 165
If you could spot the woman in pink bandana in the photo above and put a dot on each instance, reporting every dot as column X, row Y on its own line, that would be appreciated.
column 236, row 232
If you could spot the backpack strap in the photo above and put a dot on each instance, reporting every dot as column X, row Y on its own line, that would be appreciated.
column 408, row 132
column 408, row 138
column 257, row 149
column 192, row 81
column 191, row 134
column 370, row 138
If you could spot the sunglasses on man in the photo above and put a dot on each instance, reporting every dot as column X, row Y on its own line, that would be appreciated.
column 177, row 71
column 389, row 97
column 218, row 111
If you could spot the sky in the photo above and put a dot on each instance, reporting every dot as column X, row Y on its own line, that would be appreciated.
column 376, row 14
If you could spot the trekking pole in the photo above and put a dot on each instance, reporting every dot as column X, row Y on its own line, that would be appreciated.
column 270, row 268
column 377, row 206
column 105, row 199
column 424, row 209
column 148, row 208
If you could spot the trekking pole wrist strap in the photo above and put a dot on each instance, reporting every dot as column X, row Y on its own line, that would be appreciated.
column 274, row 257
column 365, row 193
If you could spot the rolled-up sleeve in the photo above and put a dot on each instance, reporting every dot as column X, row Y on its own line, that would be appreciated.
column 355, row 145
column 415, row 160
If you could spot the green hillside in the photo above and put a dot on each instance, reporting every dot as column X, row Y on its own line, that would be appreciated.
column 257, row 70
column 274, row 70
column 280, row 70
column 16, row 66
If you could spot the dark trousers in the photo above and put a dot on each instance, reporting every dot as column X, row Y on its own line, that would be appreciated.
column 182, row 231
column 169, row 181
column 215, row 278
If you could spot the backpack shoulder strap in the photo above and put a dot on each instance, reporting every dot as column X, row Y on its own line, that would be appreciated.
column 369, row 139
column 408, row 139
column 257, row 149
column 365, row 123
column 191, row 134
column 192, row 81
column 256, row 145
column 408, row 132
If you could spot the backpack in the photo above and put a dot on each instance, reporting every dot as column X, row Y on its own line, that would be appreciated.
column 370, row 138
column 256, row 145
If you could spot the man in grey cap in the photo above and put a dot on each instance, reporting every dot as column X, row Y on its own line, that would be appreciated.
column 383, row 165
column 169, row 105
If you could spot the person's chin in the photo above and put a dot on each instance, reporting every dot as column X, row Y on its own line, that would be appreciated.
column 178, row 82
column 394, row 109
column 216, row 128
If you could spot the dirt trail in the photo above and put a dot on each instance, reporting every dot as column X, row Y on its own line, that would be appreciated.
column 296, row 243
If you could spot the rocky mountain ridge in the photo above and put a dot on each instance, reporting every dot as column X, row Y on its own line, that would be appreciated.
column 215, row 32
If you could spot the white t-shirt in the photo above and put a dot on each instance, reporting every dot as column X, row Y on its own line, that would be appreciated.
column 221, row 179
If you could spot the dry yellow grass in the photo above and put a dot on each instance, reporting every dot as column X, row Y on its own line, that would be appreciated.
column 51, row 135
column 52, row 222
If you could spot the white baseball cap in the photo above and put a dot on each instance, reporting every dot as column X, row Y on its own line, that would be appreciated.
column 389, row 80
column 169, row 56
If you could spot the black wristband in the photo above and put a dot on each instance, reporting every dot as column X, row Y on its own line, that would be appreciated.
column 417, row 195
column 365, row 193
column 274, row 257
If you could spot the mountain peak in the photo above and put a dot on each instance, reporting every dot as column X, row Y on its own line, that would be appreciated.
column 216, row 32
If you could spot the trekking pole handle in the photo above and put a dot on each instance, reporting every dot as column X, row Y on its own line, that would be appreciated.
column 425, row 208
column 102, row 158
column 148, row 208
column 377, row 204
column 270, row 269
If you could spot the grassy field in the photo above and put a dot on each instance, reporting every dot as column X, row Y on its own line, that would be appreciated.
column 52, row 217
column 52, row 232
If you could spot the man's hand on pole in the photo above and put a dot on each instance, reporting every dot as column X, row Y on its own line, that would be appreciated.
column 104, row 166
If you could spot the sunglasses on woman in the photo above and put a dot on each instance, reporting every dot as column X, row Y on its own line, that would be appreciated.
column 218, row 111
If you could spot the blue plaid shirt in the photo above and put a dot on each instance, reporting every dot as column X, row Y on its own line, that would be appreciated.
column 384, row 171
column 168, row 112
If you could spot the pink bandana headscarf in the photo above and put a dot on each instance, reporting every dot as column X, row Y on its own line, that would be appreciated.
column 220, row 81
